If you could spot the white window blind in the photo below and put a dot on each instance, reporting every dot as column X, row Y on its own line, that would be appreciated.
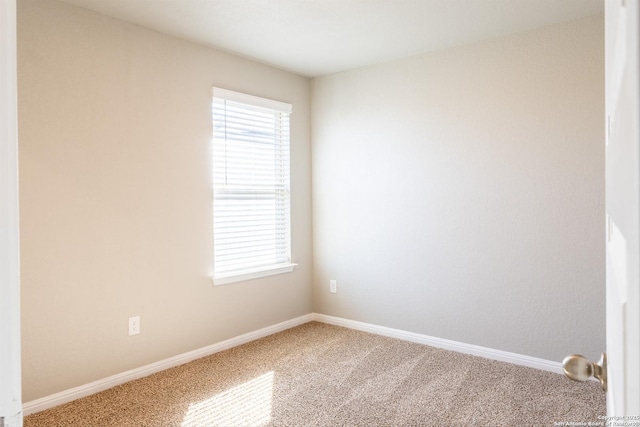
column 251, row 203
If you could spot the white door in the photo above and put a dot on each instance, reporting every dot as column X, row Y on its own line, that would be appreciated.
column 10, row 389
column 623, row 205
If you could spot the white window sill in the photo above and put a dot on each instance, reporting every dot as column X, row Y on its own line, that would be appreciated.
column 253, row 274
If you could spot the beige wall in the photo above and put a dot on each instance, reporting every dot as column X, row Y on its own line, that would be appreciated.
column 460, row 194
column 115, row 198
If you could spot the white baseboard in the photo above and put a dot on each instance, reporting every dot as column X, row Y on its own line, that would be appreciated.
column 475, row 350
column 143, row 371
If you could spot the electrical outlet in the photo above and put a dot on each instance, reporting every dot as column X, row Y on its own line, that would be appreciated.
column 333, row 286
column 134, row 325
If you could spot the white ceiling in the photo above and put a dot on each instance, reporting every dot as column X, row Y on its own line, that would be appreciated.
column 319, row 37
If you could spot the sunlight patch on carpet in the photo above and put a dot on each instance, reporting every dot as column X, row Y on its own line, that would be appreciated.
column 248, row 404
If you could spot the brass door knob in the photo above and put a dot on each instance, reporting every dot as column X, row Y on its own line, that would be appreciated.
column 579, row 368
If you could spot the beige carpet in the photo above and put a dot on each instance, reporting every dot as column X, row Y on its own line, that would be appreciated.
column 322, row 375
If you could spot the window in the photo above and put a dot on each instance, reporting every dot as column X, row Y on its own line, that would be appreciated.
column 251, row 202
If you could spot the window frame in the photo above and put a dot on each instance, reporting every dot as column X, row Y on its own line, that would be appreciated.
column 266, row 270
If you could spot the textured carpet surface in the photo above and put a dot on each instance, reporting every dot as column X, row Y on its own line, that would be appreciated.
column 322, row 375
